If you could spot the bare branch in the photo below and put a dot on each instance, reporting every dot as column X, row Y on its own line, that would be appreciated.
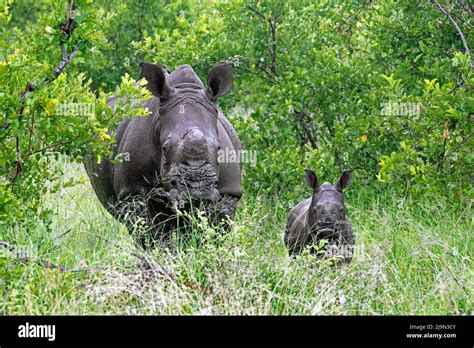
column 445, row 156
column 461, row 35
column 70, row 24
column 259, row 14
column 271, row 45
column 24, row 258
column 64, row 61
column 308, row 132
column 149, row 263
column 68, row 29
column 18, row 161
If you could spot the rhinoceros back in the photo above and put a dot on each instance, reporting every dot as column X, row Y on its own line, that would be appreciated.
column 297, row 230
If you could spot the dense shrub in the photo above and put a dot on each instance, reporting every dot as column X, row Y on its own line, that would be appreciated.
column 384, row 88
column 46, row 111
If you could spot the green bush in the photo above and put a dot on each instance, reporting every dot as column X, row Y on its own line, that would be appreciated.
column 375, row 87
column 318, row 77
column 46, row 112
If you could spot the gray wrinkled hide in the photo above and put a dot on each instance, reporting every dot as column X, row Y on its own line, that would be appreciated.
column 299, row 234
column 114, row 183
column 306, row 224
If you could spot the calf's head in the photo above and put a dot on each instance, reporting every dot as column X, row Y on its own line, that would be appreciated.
column 186, row 130
column 326, row 212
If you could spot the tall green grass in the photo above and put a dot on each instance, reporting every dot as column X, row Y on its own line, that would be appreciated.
column 412, row 257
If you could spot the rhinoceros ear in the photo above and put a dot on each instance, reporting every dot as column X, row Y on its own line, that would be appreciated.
column 345, row 180
column 219, row 80
column 312, row 180
column 156, row 78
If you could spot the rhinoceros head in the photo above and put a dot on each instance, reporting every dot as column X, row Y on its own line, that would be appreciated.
column 327, row 205
column 186, row 129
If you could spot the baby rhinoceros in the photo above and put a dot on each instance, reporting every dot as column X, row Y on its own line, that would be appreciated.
column 321, row 217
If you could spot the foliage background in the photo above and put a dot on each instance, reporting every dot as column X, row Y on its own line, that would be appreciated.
column 311, row 80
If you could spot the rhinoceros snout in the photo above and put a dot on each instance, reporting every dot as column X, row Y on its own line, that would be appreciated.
column 176, row 197
column 327, row 220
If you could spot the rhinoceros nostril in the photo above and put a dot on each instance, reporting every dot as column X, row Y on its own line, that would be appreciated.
column 327, row 220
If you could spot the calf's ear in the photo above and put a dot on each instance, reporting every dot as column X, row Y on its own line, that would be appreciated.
column 219, row 80
column 312, row 180
column 156, row 78
column 345, row 180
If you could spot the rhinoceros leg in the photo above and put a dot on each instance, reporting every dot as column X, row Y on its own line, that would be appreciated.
column 146, row 220
column 224, row 211
column 347, row 240
column 163, row 223
column 341, row 248
column 131, row 211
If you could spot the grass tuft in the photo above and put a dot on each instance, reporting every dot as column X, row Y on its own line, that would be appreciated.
column 411, row 258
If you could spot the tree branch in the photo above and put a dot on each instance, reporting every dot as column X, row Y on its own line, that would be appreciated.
column 259, row 14
column 24, row 258
column 271, row 45
column 68, row 29
column 18, row 161
column 461, row 35
column 150, row 263
column 308, row 132
column 62, row 64
column 445, row 156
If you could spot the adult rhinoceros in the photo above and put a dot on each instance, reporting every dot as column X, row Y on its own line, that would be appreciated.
column 172, row 152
